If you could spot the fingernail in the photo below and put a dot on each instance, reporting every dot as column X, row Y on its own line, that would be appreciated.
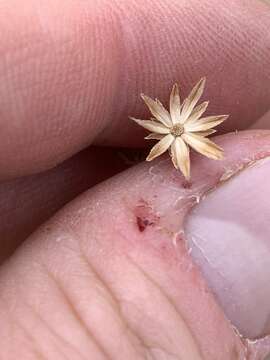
column 228, row 233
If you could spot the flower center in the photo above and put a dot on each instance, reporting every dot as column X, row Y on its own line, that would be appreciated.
column 177, row 130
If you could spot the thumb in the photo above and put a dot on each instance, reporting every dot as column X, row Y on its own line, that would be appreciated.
column 228, row 234
column 146, row 265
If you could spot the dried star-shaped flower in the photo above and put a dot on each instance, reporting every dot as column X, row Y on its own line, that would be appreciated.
column 181, row 128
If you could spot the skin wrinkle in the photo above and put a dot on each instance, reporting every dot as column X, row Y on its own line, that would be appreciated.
column 161, row 351
column 121, row 82
column 51, row 330
column 158, row 351
column 118, row 85
column 70, row 307
column 35, row 353
column 115, row 303
column 193, row 343
column 77, row 315
column 141, row 341
column 31, row 339
column 146, row 346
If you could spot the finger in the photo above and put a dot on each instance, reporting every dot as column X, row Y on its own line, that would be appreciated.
column 71, row 71
column 124, row 281
column 27, row 202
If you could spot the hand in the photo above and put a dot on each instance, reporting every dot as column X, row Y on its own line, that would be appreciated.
column 133, row 268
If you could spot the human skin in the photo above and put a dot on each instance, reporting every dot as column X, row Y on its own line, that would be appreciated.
column 116, row 272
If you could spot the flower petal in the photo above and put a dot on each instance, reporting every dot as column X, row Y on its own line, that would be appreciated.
column 180, row 156
column 206, row 133
column 160, row 147
column 205, row 123
column 151, row 125
column 197, row 112
column 154, row 136
column 203, row 145
column 175, row 104
column 158, row 110
column 190, row 102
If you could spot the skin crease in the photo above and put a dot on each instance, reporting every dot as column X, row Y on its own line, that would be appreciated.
column 77, row 282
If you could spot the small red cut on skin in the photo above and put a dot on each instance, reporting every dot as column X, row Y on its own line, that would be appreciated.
column 150, row 274
column 145, row 216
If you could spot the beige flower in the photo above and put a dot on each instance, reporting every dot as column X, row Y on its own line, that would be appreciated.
column 181, row 128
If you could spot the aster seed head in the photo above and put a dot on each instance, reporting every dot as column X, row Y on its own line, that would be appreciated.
column 182, row 128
